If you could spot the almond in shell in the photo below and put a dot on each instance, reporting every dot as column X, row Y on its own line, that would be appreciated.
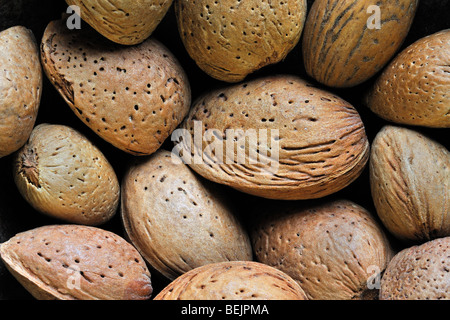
column 233, row 280
column 20, row 87
column 160, row 194
column 64, row 175
column 410, row 178
column 132, row 97
column 277, row 137
column 72, row 262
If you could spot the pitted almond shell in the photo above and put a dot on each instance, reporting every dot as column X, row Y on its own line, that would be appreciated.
column 335, row 250
column 123, row 21
column 410, row 178
column 20, row 87
column 343, row 46
column 420, row 272
column 414, row 87
column 234, row 280
column 159, row 194
column 62, row 174
column 72, row 262
column 280, row 136
column 132, row 97
column 230, row 39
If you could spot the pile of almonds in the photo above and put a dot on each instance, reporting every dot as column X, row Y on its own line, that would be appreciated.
column 224, row 150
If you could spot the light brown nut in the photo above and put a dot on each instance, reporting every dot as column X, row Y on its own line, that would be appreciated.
column 230, row 39
column 123, row 21
column 414, row 88
column 420, row 272
column 70, row 262
column 159, row 195
column 234, row 280
column 410, row 178
column 132, row 97
column 335, row 250
column 62, row 174
column 342, row 45
column 289, row 139
column 20, row 87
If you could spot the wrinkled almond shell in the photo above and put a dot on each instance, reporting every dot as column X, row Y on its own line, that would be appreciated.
column 297, row 141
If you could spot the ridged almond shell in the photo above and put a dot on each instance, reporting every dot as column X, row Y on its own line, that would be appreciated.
column 343, row 47
column 410, row 178
column 281, row 138
column 335, row 250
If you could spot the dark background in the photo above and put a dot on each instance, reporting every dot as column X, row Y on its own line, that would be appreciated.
column 17, row 216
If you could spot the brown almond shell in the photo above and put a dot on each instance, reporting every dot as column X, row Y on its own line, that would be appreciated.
column 231, row 39
column 132, row 97
column 234, row 280
column 160, row 194
column 335, row 250
column 62, row 174
column 342, row 47
column 419, row 272
column 409, row 178
column 311, row 142
column 414, row 88
column 72, row 262
column 20, row 87
column 123, row 21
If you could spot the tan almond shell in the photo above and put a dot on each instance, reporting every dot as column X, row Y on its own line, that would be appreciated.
column 123, row 21
column 159, row 194
column 335, row 250
column 62, row 174
column 340, row 46
column 233, row 280
column 421, row 272
column 409, row 178
column 20, row 87
column 414, row 87
column 72, row 262
column 230, row 39
column 132, row 97
column 319, row 138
